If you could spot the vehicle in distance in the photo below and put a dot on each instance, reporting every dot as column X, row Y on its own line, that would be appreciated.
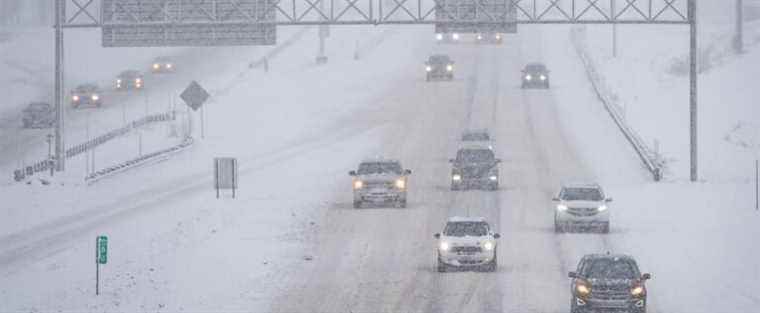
column 447, row 37
column 439, row 67
column 535, row 75
column 608, row 282
column 478, row 136
column 130, row 79
column 486, row 38
column 38, row 115
column 475, row 167
column 467, row 243
column 86, row 94
column 380, row 181
column 163, row 65
column 581, row 206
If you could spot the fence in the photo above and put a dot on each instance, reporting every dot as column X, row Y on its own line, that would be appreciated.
column 45, row 165
column 651, row 161
column 145, row 159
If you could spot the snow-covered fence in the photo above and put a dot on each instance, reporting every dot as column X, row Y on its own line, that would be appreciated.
column 143, row 160
column 653, row 163
column 44, row 165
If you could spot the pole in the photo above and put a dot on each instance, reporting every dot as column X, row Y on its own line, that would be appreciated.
column 60, row 154
column 693, row 88
column 97, row 269
column 757, row 185
column 203, row 114
column 322, row 30
column 739, row 39
column 614, row 30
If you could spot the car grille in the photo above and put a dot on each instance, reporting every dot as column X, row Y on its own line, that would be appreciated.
column 602, row 293
column 466, row 249
column 582, row 211
column 381, row 184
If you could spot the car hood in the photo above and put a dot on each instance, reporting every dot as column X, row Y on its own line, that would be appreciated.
column 479, row 169
column 466, row 240
column 583, row 204
column 611, row 283
column 378, row 177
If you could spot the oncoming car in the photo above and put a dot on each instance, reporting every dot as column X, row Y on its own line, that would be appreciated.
column 608, row 282
column 468, row 243
column 475, row 166
column 380, row 181
column 581, row 206
column 439, row 67
column 535, row 75
column 163, row 65
column 130, row 79
column 490, row 38
column 447, row 37
column 87, row 94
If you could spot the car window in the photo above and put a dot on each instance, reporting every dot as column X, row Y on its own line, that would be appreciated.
column 439, row 59
column 611, row 269
column 461, row 229
column 380, row 168
column 535, row 68
column 581, row 194
column 475, row 155
column 475, row 137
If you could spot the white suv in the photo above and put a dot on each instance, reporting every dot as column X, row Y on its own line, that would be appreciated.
column 581, row 207
column 467, row 242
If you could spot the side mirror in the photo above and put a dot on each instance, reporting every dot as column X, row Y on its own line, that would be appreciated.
column 352, row 173
column 437, row 236
column 498, row 160
column 608, row 200
column 572, row 275
column 555, row 199
column 646, row 276
column 407, row 172
column 496, row 236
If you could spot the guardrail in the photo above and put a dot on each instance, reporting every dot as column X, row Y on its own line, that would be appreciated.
column 143, row 160
column 45, row 165
column 653, row 163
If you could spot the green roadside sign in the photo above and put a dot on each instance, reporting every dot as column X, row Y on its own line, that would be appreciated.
column 101, row 253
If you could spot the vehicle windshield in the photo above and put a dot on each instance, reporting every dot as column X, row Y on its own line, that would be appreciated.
column 439, row 59
column 461, row 229
column 535, row 68
column 611, row 269
column 475, row 137
column 129, row 74
column 581, row 194
column 380, row 168
column 86, row 88
column 475, row 156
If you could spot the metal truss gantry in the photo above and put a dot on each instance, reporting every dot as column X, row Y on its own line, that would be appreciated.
column 90, row 13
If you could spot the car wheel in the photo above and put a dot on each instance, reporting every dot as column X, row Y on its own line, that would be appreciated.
column 357, row 204
column 401, row 203
column 605, row 229
column 454, row 187
column 427, row 78
column 493, row 265
column 442, row 268
column 26, row 124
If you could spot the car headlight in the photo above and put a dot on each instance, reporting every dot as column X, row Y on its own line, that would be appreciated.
column 637, row 291
column 455, row 36
column 561, row 207
column 528, row 77
column 602, row 208
column 498, row 36
column 542, row 77
column 138, row 80
column 169, row 65
column 95, row 97
column 456, row 177
column 582, row 289
column 75, row 98
column 488, row 245
column 118, row 81
column 358, row 184
column 400, row 184
column 439, row 36
column 449, row 67
column 493, row 177
column 480, row 37
column 428, row 68
column 156, row 66
column 444, row 246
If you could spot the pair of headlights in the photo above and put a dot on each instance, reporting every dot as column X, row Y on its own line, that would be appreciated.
column 93, row 97
column 488, row 246
column 449, row 68
column 399, row 183
column 583, row 289
column 530, row 77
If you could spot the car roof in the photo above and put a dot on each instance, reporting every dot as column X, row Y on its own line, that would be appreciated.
column 162, row 58
column 535, row 64
column 474, row 147
column 475, row 131
column 379, row 159
column 581, row 185
column 86, row 87
column 609, row 256
column 130, row 73
column 458, row 219
column 439, row 57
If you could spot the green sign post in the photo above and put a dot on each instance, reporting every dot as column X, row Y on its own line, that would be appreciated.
column 101, row 257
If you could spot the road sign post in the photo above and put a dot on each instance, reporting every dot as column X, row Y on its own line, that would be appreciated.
column 225, row 175
column 195, row 96
column 101, row 257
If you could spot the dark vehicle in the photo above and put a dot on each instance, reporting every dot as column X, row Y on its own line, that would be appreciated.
column 87, row 94
column 38, row 115
column 129, row 80
column 535, row 75
column 162, row 65
column 608, row 282
column 475, row 167
column 476, row 135
column 380, row 181
column 439, row 67
column 489, row 38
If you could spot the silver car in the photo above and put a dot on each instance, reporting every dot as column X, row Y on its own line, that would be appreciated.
column 380, row 181
column 581, row 207
column 467, row 242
